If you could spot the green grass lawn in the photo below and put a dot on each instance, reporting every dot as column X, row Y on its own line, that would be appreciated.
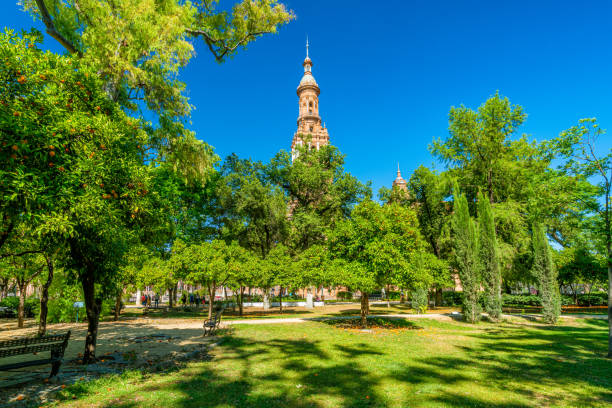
column 425, row 363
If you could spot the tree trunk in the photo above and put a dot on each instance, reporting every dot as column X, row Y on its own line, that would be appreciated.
column 171, row 295
column 21, row 308
column 44, row 299
column 438, row 297
column 211, row 301
column 240, row 300
column 609, row 245
column 92, row 309
column 490, row 186
column 266, row 300
column 365, row 309
column 280, row 299
column 387, row 295
column 117, row 306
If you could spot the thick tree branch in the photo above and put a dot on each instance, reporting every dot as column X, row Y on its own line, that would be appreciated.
column 52, row 31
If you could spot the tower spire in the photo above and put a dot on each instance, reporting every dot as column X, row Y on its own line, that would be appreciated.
column 307, row 45
column 398, row 171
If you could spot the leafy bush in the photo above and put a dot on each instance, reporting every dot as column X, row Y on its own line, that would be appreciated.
column 344, row 295
column 521, row 300
column 62, row 295
column 253, row 298
column 452, row 298
column 594, row 299
column 566, row 300
column 418, row 298
column 30, row 306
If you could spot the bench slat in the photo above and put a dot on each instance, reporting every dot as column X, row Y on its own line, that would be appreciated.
column 26, row 364
column 56, row 338
column 30, row 349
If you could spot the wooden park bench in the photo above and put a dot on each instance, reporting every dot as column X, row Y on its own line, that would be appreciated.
column 211, row 325
column 56, row 344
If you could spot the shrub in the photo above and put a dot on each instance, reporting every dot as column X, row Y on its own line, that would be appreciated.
column 452, row 298
column 418, row 298
column 344, row 295
column 521, row 300
column 30, row 306
column 593, row 299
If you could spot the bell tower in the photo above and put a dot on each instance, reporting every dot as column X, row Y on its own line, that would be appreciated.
column 309, row 128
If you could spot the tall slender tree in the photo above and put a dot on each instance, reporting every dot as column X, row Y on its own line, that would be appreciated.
column 466, row 255
column 544, row 270
column 489, row 259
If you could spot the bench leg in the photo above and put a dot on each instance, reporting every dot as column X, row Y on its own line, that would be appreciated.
column 55, row 365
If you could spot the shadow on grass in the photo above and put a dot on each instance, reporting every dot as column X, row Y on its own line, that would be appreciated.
column 514, row 359
column 561, row 359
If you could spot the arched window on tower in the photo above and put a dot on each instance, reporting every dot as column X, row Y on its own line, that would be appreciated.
column 310, row 107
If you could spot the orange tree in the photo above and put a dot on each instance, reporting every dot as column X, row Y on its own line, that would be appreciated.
column 377, row 246
column 71, row 164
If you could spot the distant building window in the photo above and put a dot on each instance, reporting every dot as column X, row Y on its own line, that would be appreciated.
column 311, row 128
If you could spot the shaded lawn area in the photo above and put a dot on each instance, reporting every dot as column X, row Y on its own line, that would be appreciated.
column 425, row 363
column 257, row 313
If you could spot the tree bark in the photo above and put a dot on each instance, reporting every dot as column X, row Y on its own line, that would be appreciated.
column 211, row 295
column 266, row 300
column 117, row 306
column 44, row 298
column 280, row 299
column 365, row 309
column 170, row 300
column 240, row 299
column 490, row 185
column 609, row 245
column 388, row 301
column 92, row 309
column 21, row 308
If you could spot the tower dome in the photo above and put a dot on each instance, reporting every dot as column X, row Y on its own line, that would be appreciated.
column 310, row 129
column 399, row 181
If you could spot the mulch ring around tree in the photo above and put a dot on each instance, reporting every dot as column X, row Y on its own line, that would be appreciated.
column 375, row 325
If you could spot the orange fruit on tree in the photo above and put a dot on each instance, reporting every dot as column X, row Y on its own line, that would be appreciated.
column 21, row 79
column 15, row 148
column 51, row 153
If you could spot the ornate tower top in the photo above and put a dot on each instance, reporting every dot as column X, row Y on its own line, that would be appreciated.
column 309, row 128
column 399, row 182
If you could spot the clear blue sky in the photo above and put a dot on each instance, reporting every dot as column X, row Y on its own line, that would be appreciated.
column 390, row 70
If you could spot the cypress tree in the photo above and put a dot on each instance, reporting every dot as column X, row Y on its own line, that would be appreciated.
column 466, row 255
column 489, row 259
column 544, row 271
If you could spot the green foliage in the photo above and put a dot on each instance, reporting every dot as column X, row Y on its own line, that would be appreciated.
column 30, row 305
column 488, row 258
column 419, row 299
column 344, row 295
column 255, row 209
column 452, row 298
column 479, row 146
column 593, row 299
column 544, row 270
column 430, row 190
column 466, row 255
column 320, row 191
